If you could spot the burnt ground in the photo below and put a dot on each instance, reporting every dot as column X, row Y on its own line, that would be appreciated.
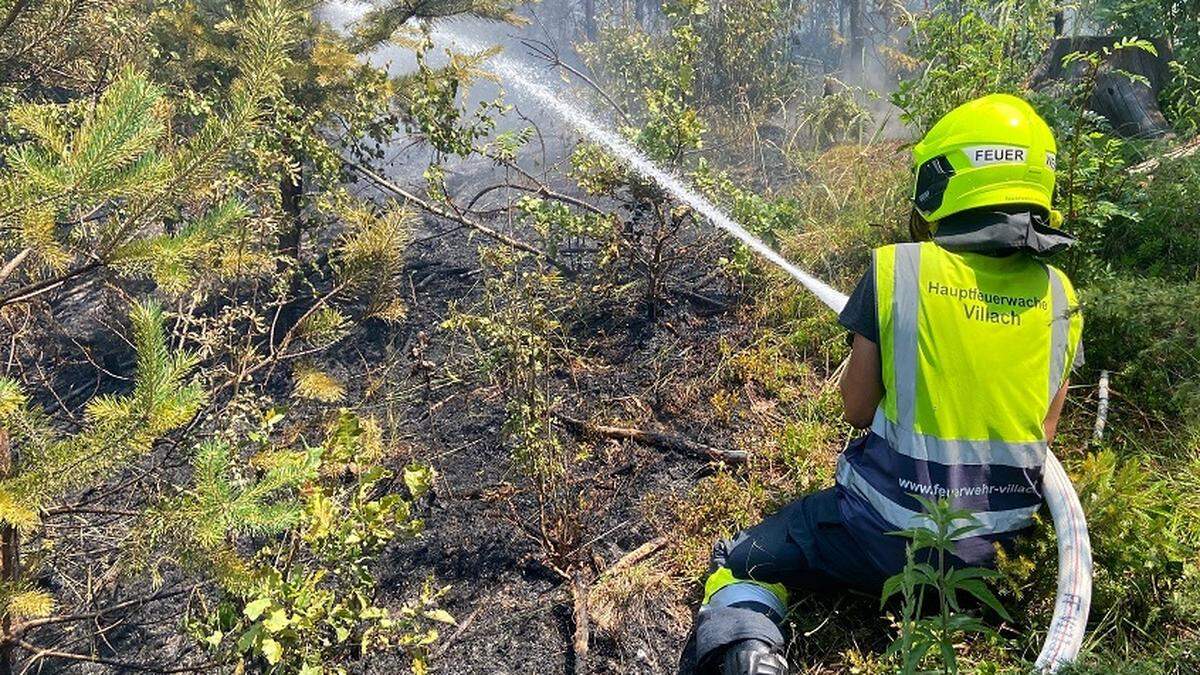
column 515, row 614
column 519, row 611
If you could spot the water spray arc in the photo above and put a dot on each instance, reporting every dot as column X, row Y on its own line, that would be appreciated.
column 623, row 150
column 1065, row 635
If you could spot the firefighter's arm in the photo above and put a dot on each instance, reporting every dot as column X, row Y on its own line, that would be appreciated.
column 862, row 383
column 1056, row 406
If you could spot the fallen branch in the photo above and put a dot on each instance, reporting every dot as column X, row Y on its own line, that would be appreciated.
column 37, row 653
column 26, row 626
column 385, row 184
column 35, row 289
column 657, row 439
column 1150, row 165
column 715, row 306
column 462, row 628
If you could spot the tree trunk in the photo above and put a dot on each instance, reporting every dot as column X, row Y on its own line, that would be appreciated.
column 853, row 61
column 1130, row 107
column 10, row 555
column 589, row 18
column 290, row 190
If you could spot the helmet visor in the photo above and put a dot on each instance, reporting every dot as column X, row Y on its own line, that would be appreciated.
column 932, row 178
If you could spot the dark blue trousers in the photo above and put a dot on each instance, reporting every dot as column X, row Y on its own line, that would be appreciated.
column 805, row 547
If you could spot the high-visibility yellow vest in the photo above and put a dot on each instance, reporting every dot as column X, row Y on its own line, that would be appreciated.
column 974, row 349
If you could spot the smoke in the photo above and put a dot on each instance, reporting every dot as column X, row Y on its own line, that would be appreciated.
column 871, row 72
column 480, row 33
column 529, row 83
column 408, row 157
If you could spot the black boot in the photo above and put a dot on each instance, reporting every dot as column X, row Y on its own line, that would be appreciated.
column 753, row 657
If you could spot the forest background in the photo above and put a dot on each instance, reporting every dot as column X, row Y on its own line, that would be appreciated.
column 324, row 351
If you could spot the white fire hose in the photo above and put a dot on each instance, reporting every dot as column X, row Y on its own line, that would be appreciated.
column 1065, row 637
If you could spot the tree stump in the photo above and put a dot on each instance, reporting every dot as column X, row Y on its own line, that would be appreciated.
column 1130, row 107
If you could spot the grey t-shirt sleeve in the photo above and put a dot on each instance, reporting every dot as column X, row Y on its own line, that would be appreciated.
column 860, row 314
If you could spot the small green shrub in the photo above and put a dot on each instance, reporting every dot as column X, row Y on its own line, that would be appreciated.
column 926, row 635
column 291, row 546
column 716, row 508
column 1163, row 239
column 976, row 47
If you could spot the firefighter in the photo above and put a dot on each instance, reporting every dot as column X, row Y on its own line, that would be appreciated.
column 962, row 344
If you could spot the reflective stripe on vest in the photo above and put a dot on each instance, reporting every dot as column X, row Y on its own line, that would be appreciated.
column 973, row 349
column 902, row 518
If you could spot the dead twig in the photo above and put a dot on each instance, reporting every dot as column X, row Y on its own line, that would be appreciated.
column 37, row 653
column 430, row 207
column 579, row 590
column 549, row 53
column 462, row 628
column 654, row 438
column 635, row 556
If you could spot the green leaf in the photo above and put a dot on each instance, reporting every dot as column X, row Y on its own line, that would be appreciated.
column 272, row 651
column 441, row 616
column 419, row 479
column 248, row 639
column 949, row 658
column 982, row 593
column 277, row 621
column 960, row 532
column 891, row 587
column 255, row 608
